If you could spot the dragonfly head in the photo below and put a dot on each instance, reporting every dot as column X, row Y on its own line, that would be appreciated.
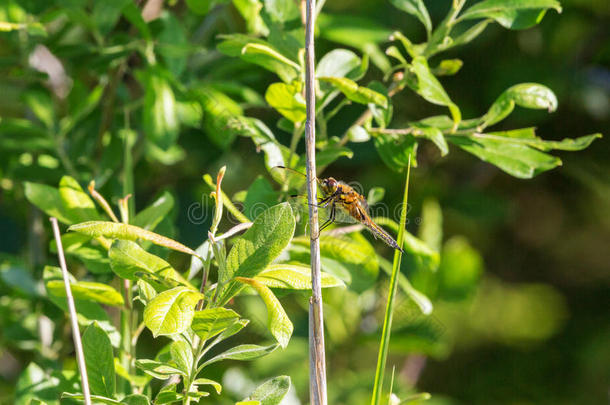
column 329, row 185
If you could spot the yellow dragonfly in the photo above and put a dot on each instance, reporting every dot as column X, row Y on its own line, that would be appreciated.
column 341, row 201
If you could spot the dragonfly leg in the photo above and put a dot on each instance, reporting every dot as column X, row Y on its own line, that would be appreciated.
column 330, row 220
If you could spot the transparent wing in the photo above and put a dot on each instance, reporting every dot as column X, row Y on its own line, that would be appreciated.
column 289, row 179
column 341, row 215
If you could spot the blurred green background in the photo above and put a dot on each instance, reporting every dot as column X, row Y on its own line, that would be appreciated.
column 521, row 309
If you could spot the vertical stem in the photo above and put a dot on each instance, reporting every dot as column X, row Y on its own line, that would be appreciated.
column 389, row 311
column 78, row 346
column 317, row 362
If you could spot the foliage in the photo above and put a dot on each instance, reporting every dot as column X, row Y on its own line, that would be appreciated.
column 165, row 91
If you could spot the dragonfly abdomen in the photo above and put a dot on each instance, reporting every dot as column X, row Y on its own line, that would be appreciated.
column 379, row 232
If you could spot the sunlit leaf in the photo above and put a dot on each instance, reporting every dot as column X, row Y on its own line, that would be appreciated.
column 259, row 52
column 115, row 230
column 206, row 381
column 212, row 321
column 294, row 276
column 337, row 63
column 157, row 369
column 260, row 245
column 513, row 14
column 271, row 392
column 277, row 321
column 182, row 354
column 358, row 94
column 75, row 201
column 87, row 290
column 287, row 100
column 172, row 311
column 518, row 160
column 243, row 353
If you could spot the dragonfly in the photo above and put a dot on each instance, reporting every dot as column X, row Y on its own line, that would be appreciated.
column 341, row 200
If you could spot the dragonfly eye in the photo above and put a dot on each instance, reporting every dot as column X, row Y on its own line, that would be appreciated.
column 331, row 183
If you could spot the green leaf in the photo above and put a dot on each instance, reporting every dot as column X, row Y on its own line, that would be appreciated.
column 75, row 201
column 232, row 330
column 136, row 399
column 352, row 91
column 86, row 311
column 470, row 34
column 527, row 136
column 416, row 8
column 260, row 245
column 243, row 353
column 95, row 399
column 448, row 67
column 88, row 291
column 47, row 199
column 287, row 100
column 128, row 260
column 338, row 63
column 358, row 134
column 282, row 10
column 527, row 95
column 433, row 134
column 294, row 277
column 428, row 86
column 271, row 392
column 206, row 381
column 212, row 321
column 395, row 151
column 277, row 321
column 261, row 53
column 354, row 256
column 150, row 216
column 99, row 361
column 182, row 354
column 158, row 369
column 381, row 115
column 113, row 230
column 513, row 14
column 515, row 159
column 172, row 311
column 159, row 113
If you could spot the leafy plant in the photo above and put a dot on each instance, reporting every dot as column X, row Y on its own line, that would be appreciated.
column 194, row 319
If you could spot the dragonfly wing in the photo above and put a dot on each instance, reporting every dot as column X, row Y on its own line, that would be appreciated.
column 289, row 179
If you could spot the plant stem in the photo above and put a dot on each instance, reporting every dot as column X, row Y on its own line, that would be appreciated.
column 78, row 346
column 389, row 311
column 317, row 361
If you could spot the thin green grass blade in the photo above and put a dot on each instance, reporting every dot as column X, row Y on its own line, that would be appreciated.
column 389, row 311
